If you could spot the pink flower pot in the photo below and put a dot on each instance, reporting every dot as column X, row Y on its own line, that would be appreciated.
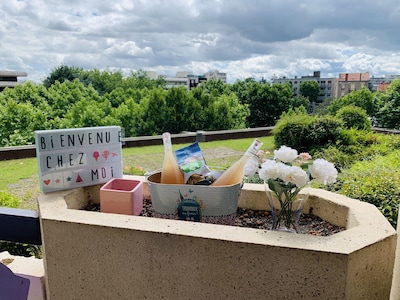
column 122, row 196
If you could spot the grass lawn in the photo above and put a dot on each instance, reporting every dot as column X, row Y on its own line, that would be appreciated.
column 13, row 171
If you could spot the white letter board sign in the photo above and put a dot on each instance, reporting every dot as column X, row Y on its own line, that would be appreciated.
column 70, row 158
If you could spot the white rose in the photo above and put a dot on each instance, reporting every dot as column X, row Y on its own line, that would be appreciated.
column 281, row 170
column 323, row 171
column 285, row 154
column 268, row 170
column 295, row 175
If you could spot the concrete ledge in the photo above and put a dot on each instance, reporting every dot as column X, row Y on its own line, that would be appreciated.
column 105, row 256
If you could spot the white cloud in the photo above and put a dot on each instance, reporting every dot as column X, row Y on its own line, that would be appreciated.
column 128, row 49
column 243, row 38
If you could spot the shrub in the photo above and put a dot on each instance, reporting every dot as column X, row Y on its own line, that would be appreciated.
column 335, row 155
column 9, row 200
column 298, row 130
column 355, row 137
column 21, row 249
column 134, row 170
column 292, row 129
column 322, row 132
column 376, row 182
column 354, row 117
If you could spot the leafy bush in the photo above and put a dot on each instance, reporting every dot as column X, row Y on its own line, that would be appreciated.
column 357, row 145
column 335, row 155
column 354, row 117
column 9, row 200
column 292, row 129
column 322, row 132
column 375, row 182
column 21, row 249
column 298, row 130
column 134, row 170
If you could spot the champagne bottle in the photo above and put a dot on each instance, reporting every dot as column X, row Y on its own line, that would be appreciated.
column 234, row 174
column 171, row 173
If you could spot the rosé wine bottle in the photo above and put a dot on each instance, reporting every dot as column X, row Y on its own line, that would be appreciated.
column 171, row 172
column 234, row 174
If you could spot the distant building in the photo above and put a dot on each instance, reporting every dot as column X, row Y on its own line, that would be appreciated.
column 382, row 86
column 381, row 83
column 188, row 79
column 151, row 74
column 10, row 78
column 216, row 75
column 325, row 84
column 350, row 82
column 195, row 80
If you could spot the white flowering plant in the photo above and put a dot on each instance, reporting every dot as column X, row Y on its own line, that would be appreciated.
column 290, row 167
column 286, row 173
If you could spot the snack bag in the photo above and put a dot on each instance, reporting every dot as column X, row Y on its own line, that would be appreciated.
column 191, row 161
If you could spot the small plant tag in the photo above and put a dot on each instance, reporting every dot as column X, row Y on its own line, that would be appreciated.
column 189, row 210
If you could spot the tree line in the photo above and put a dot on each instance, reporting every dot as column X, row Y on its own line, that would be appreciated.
column 71, row 97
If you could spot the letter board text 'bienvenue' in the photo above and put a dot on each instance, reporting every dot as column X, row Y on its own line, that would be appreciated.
column 70, row 158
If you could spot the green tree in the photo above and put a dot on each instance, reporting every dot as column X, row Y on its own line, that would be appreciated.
column 226, row 112
column 102, row 81
column 26, row 93
column 389, row 114
column 62, row 96
column 300, row 101
column 265, row 101
column 120, row 95
column 310, row 90
column 18, row 121
column 23, row 110
column 152, row 112
column 61, row 74
column 362, row 98
column 240, row 88
column 128, row 114
column 322, row 108
column 215, row 87
column 181, row 110
column 140, row 80
column 89, row 113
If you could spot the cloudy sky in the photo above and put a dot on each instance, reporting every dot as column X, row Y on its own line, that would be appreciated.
column 244, row 38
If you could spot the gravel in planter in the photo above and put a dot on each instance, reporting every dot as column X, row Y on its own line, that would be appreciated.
column 260, row 219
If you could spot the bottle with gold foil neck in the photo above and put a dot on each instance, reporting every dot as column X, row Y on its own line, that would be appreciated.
column 171, row 172
column 234, row 174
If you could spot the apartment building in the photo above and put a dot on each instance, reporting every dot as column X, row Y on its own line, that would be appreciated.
column 350, row 82
column 325, row 84
column 10, row 78
column 341, row 86
column 381, row 83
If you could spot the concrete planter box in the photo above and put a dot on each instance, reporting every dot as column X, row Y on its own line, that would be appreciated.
column 91, row 255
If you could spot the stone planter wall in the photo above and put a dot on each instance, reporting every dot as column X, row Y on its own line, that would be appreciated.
column 91, row 255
